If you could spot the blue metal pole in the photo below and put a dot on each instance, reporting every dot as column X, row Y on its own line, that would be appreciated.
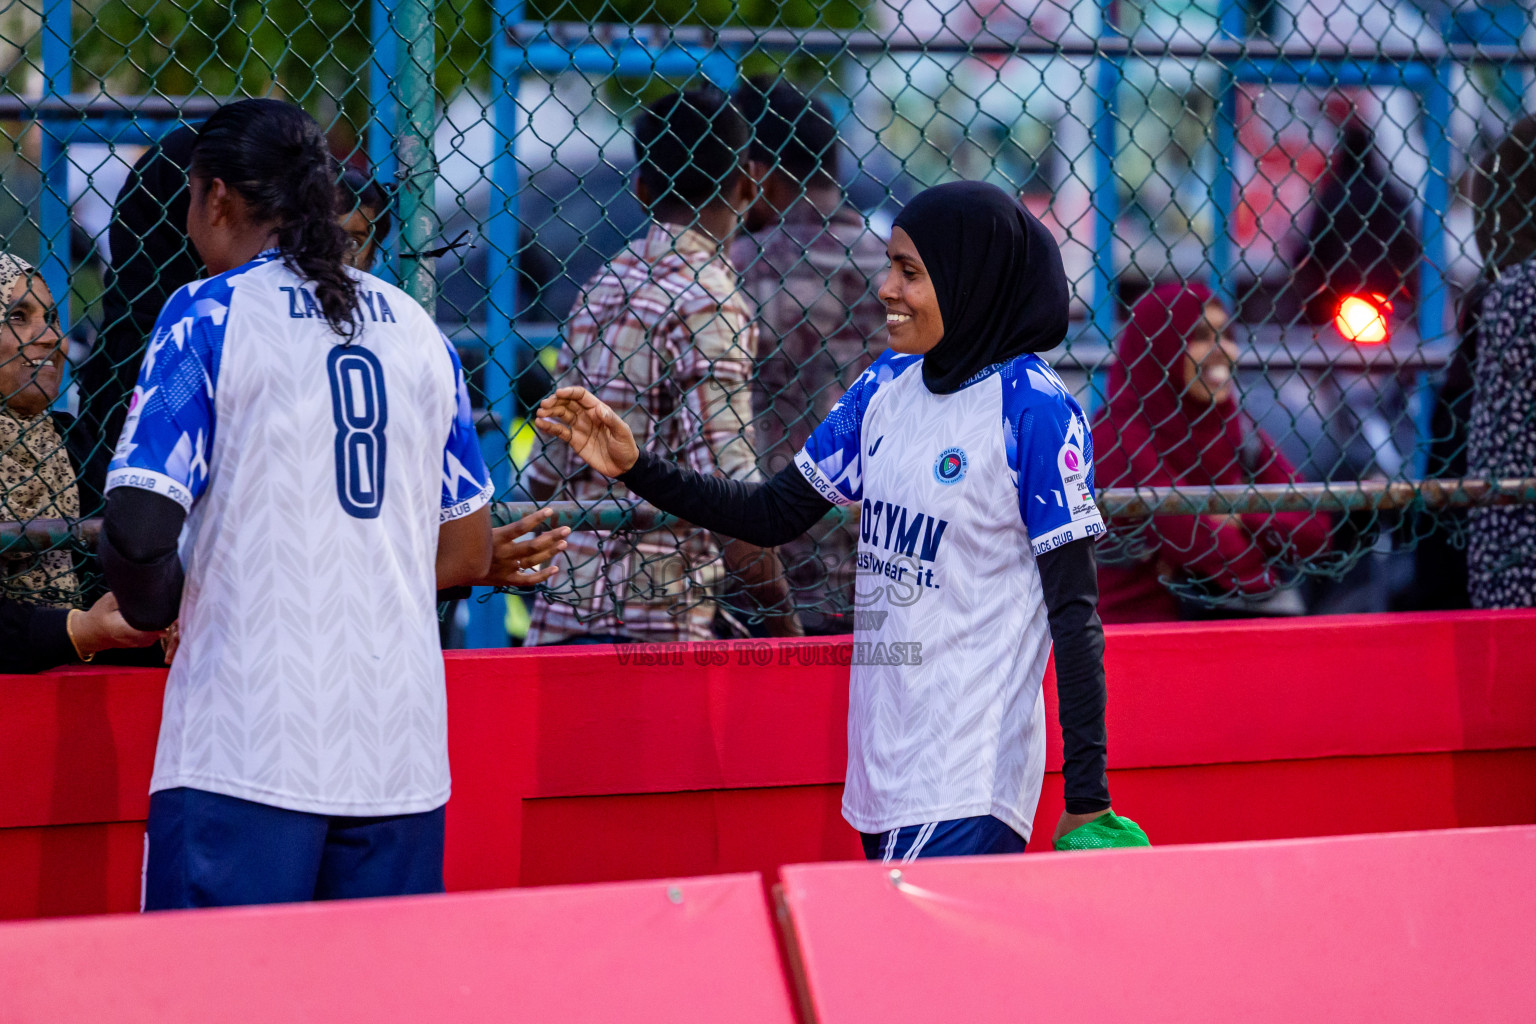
column 1106, row 195
column 1224, row 182
column 383, row 108
column 502, row 233
column 1434, row 301
column 53, row 203
column 487, row 626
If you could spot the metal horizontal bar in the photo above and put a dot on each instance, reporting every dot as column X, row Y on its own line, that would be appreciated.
column 625, row 59
column 1342, row 496
column 1114, row 502
column 122, row 131
column 1135, row 503
column 1277, row 357
column 1259, row 348
column 1285, row 72
column 830, row 41
column 75, row 106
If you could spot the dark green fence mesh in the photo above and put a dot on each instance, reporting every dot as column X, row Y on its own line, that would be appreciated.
column 1326, row 170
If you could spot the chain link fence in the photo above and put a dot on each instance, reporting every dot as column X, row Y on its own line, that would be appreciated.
column 1312, row 164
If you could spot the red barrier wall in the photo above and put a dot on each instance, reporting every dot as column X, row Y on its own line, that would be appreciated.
column 678, row 952
column 575, row 765
column 1425, row 926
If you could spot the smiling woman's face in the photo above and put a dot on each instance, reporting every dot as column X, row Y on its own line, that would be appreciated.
column 31, row 349
column 1209, row 358
column 912, row 316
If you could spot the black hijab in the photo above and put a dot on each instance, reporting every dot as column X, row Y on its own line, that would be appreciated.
column 997, row 272
column 151, row 259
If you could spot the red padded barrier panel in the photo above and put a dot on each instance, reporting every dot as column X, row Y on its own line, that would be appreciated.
column 589, row 764
column 698, row 949
column 1317, row 797
column 57, row 870
column 77, row 745
column 1429, row 926
column 640, row 836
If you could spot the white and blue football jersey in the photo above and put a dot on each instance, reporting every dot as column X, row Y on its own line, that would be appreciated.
column 315, row 475
column 957, row 495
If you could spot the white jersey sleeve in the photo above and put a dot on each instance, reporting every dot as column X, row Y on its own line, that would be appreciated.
column 831, row 459
column 1050, row 455
column 466, row 480
column 168, row 436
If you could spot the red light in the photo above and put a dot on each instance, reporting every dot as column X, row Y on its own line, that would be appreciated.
column 1363, row 318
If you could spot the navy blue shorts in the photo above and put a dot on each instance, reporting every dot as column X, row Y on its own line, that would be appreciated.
column 207, row 850
column 958, row 837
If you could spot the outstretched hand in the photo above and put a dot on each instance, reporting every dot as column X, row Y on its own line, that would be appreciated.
column 593, row 430
column 519, row 562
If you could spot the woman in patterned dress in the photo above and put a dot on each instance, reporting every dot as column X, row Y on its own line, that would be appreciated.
column 1501, row 440
column 40, row 625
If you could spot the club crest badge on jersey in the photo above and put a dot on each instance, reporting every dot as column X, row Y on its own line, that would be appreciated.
column 950, row 468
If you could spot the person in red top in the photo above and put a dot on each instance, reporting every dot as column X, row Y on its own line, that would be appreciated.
column 1173, row 420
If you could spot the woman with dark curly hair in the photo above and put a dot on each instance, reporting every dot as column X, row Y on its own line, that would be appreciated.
column 300, row 440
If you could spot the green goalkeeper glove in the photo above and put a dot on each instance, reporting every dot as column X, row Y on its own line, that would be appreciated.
column 1102, row 833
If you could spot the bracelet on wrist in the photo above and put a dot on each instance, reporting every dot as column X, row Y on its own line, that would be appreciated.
column 69, row 630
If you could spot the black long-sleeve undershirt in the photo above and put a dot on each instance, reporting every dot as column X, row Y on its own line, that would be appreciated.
column 139, row 558
column 766, row 514
column 771, row 513
column 33, row 637
column 1069, row 576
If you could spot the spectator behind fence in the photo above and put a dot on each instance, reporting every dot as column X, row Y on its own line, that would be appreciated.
column 366, row 216
column 811, row 267
column 151, row 259
column 1360, row 234
column 40, row 627
column 663, row 336
column 1501, row 438
column 1173, row 420
column 1440, row 552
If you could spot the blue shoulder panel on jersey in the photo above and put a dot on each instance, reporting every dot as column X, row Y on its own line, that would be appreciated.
column 466, row 480
column 831, row 460
column 168, row 436
column 1050, row 455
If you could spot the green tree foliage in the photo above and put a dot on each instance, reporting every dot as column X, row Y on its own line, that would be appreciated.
column 763, row 13
column 319, row 54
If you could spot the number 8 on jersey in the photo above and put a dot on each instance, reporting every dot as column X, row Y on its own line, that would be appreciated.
column 361, row 412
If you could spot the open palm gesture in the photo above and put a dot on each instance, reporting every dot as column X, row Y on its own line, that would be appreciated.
column 593, row 430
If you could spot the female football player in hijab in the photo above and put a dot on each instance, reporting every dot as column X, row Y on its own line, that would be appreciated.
column 971, row 465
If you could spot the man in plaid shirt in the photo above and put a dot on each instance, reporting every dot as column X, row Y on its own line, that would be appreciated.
column 663, row 336
column 812, row 270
